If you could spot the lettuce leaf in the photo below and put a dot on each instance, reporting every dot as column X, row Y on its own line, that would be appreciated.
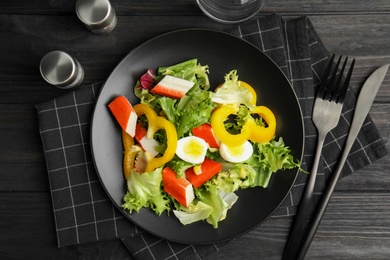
column 218, row 200
column 144, row 190
column 179, row 166
column 193, row 213
column 190, row 111
column 212, row 207
column 145, row 96
column 267, row 159
column 216, row 196
column 193, row 109
column 188, row 70
column 232, row 93
column 168, row 107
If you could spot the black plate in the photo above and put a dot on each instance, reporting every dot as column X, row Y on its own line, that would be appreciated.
column 223, row 53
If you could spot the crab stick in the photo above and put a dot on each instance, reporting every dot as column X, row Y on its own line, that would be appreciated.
column 172, row 87
column 206, row 133
column 124, row 113
column 179, row 188
column 147, row 144
column 208, row 169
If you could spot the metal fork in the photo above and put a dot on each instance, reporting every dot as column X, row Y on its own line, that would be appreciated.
column 326, row 114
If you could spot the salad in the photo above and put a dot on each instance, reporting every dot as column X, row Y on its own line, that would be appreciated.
column 189, row 149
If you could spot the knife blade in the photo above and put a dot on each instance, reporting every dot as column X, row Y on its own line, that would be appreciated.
column 366, row 97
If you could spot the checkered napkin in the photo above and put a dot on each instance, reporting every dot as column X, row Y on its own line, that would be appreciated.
column 83, row 213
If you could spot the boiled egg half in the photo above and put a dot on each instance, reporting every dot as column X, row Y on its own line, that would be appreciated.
column 236, row 154
column 191, row 149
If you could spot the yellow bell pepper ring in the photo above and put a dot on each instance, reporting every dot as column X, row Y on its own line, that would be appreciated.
column 218, row 118
column 170, row 130
column 129, row 154
column 243, row 84
column 143, row 109
column 156, row 123
column 261, row 134
column 251, row 90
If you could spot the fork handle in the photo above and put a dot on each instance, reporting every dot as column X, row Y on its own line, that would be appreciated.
column 297, row 232
column 312, row 228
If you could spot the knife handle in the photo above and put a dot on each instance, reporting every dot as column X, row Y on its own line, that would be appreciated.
column 325, row 198
column 302, row 216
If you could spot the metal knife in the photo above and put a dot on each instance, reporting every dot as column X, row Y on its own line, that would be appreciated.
column 363, row 105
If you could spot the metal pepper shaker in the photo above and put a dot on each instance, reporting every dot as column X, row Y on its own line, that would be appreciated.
column 62, row 70
column 97, row 15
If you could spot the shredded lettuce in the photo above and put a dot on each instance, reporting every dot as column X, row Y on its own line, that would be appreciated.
column 212, row 205
column 194, row 109
column 190, row 111
column 229, row 199
column 193, row 213
column 145, row 96
column 271, row 157
column 188, row 70
column 216, row 196
column 220, row 202
column 231, row 92
column 144, row 190
column 168, row 107
column 267, row 158
column 179, row 166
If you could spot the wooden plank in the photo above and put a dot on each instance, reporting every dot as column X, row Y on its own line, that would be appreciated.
column 358, row 223
column 365, row 65
column 22, row 163
column 375, row 177
column 189, row 7
column 137, row 7
column 319, row 7
column 98, row 54
column 338, row 32
column 21, row 81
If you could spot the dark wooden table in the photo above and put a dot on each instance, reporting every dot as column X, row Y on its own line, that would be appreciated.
column 357, row 222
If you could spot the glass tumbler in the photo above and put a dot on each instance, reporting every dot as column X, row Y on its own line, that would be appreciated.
column 230, row 11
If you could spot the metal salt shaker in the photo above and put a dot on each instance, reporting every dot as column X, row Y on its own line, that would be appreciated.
column 97, row 15
column 62, row 70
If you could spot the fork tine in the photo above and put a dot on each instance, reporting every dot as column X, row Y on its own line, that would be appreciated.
column 324, row 79
column 331, row 85
column 343, row 92
column 336, row 89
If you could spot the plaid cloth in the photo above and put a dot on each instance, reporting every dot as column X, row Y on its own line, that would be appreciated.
column 82, row 210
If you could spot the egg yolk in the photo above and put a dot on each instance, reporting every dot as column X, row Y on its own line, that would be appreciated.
column 193, row 147
column 236, row 150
